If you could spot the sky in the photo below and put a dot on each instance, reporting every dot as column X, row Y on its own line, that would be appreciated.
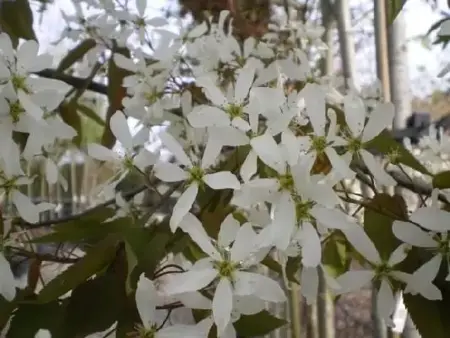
column 418, row 14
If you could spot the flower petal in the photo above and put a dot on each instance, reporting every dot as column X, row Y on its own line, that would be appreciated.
column 101, row 153
column 354, row 280
column 169, row 172
column 207, row 116
column 377, row 170
column 263, row 287
column 412, row 234
column 243, row 83
column 7, row 282
column 432, row 219
column 120, row 129
column 311, row 246
column 269, row 152
column 355, row 114
column 386, row 302
column 183, row 205
column 222, row 180
column 190, row 281
column 146, row 296
column 228, row 231
column 175, row 148
column 362, row 243
column 222, row 305
column 380, row 118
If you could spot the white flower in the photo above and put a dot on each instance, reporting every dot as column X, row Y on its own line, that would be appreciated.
column 225, row 110
column 321, row 143
column 227, row 266
column 194, row 175
column 381, row 271
column 131, row 158
column 146, row 299
column 7, row 280
column 437, row 241
column 26, row 209
column 360, row 132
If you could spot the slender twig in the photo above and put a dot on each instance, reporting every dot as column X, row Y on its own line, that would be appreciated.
column 111, row 201
column 45, row 257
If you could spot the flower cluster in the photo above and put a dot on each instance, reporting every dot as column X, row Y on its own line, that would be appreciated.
column 250, row 123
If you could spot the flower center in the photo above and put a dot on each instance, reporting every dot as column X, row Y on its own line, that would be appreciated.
column 303, row 209
column 15, row 111
column 225, row 269
column 286, row 182
column 382, row 270
column 319, row 143
column 196, row 174
column 19, row 83
column 234, row 111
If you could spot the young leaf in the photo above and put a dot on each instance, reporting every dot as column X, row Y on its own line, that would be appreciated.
column 393, row 8
column 91, row 114
column 442, row 180
column 69, row 114
column 386, row 144
column 85, row 227
column 16, row 19
column 379, row 215
column 76, row 54
column 259, row 324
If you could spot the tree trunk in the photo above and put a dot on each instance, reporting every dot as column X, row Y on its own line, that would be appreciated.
column 381, row 47
column 347, row 48
column 400, row 95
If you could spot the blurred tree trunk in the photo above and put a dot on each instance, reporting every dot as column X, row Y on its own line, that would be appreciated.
column 399, row 74
column 250, row 17
column 346, row 45
column 401, row 96
column 381, row 47
column 325, row 304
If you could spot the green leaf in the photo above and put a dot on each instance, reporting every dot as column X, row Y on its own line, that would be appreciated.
column 116, row 92
column 132, row 263
column 96, row 259
column 31, row 317
column 430, row 317
column 259, row 324
column 334, row 257
column 379, row 215
column 69, row 114
column 86, row 227
column 93, row 306
column 385, row 144
column 148, row 246
column 76, row 54
column 442, row 180
column 6, row 309
column 16, row 19
column 393, row 8
column 91, row 114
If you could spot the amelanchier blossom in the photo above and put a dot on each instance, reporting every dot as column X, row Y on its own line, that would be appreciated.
column 146, row 300
column 382, row 272
column 195, row 174
column 226, row 267
column 250, row 121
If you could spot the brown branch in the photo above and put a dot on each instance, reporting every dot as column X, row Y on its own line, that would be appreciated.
column 74, row 81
